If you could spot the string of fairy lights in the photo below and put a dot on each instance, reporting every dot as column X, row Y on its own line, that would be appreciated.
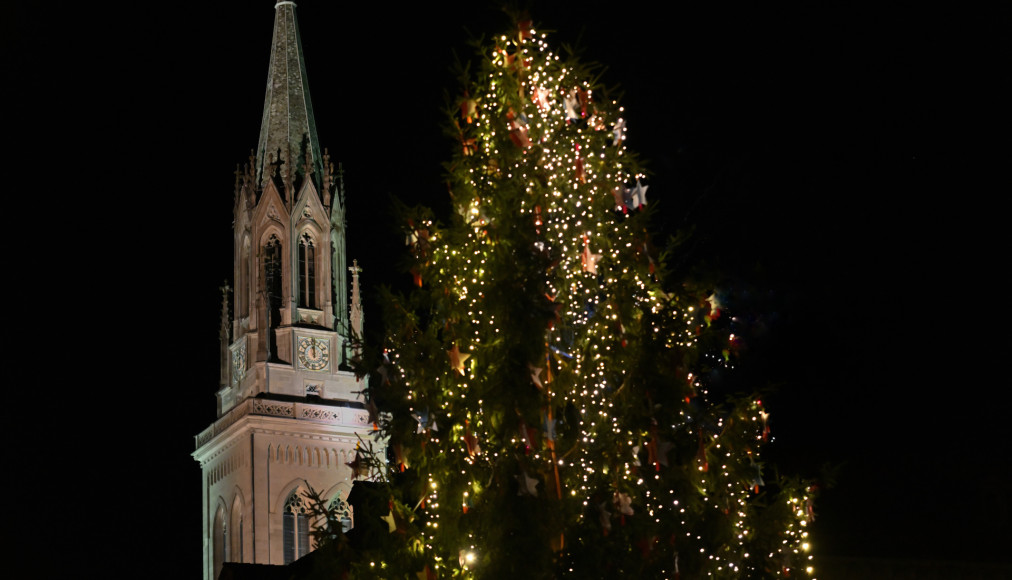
column 538, row 149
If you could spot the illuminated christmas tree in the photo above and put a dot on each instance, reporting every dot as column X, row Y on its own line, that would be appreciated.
column 545, row 388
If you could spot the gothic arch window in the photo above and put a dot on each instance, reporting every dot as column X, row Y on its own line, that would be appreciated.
column 219, row 539
column 273, row 284
column 235, row 549
column 307, row 271
column 342, row 510
column 295, row 527
column 243, row 289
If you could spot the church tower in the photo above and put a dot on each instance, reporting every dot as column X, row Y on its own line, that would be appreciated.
column 289, row 414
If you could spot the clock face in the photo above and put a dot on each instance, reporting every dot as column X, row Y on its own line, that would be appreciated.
column 238, row 363
column 314, row 353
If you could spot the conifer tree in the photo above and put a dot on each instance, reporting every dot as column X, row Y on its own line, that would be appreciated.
column 545, row 388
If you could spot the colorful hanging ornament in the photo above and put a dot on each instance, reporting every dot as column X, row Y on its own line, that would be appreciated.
column 701, row 454
column 468, row 109
column 583, row 95
column 757, row 477
column 526, row 29
column 620, row 192
column 580, row 176
column 528, row 436
column 518, row 129
column 618, row 132
column 571, row 101
column 399, row 457
column 470, row 441
column 766, row 427
column 542, row 98
column 589, row 259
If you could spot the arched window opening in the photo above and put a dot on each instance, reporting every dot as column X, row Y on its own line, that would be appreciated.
column 243, row 288
column 273, row 285
column 295, row 527
column 307, row 272
column 235, row 549
column 342, row 510
column 219, row 540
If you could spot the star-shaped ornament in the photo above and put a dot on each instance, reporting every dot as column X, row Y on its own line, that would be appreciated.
column 604, row 516
column 470, row 441
column 623, row 503
column 359, row 467
column 618, row 134
column 541, row 97
column 572, row 101
column 536, row 375
column 639, row 195
column 548, row 426
column 528, row 485
column 589, row 259
column 424, row 423
column 391, row 521
column 457, row 359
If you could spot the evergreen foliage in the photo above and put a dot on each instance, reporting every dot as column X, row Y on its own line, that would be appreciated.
column 546, row 391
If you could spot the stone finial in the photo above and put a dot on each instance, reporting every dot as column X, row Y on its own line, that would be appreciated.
column 328, row 169
column 307, row 166
column 340, row 183
column 356, row 309
column 251, row 164
column 238, row 183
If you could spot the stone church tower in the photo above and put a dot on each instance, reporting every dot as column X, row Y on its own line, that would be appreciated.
column 289, row 415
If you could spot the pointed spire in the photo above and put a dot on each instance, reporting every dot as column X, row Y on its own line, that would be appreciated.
column 288, row 123
column 224, row 336
column 356, row 311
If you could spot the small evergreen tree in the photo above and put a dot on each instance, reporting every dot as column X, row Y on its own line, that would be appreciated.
column 548, row 407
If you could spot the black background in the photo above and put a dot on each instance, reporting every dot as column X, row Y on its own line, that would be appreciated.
column 838, row 164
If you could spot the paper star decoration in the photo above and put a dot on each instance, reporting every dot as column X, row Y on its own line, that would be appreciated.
column 528, row 485
column 589, row 259
column 424, row 424
column 470, row 441
column 391, row 522
column 619, row 132
column 359, row 468
column 639, row 195
column 548, row 426
column 457, row 359
column 623, row 503
column 536, row 375
column 541, row 98
column 571, row 102
column 605, row 516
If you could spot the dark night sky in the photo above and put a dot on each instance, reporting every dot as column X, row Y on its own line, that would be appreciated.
column 822, row 155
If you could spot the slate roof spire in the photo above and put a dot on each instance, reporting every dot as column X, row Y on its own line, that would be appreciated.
column 288, row 123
